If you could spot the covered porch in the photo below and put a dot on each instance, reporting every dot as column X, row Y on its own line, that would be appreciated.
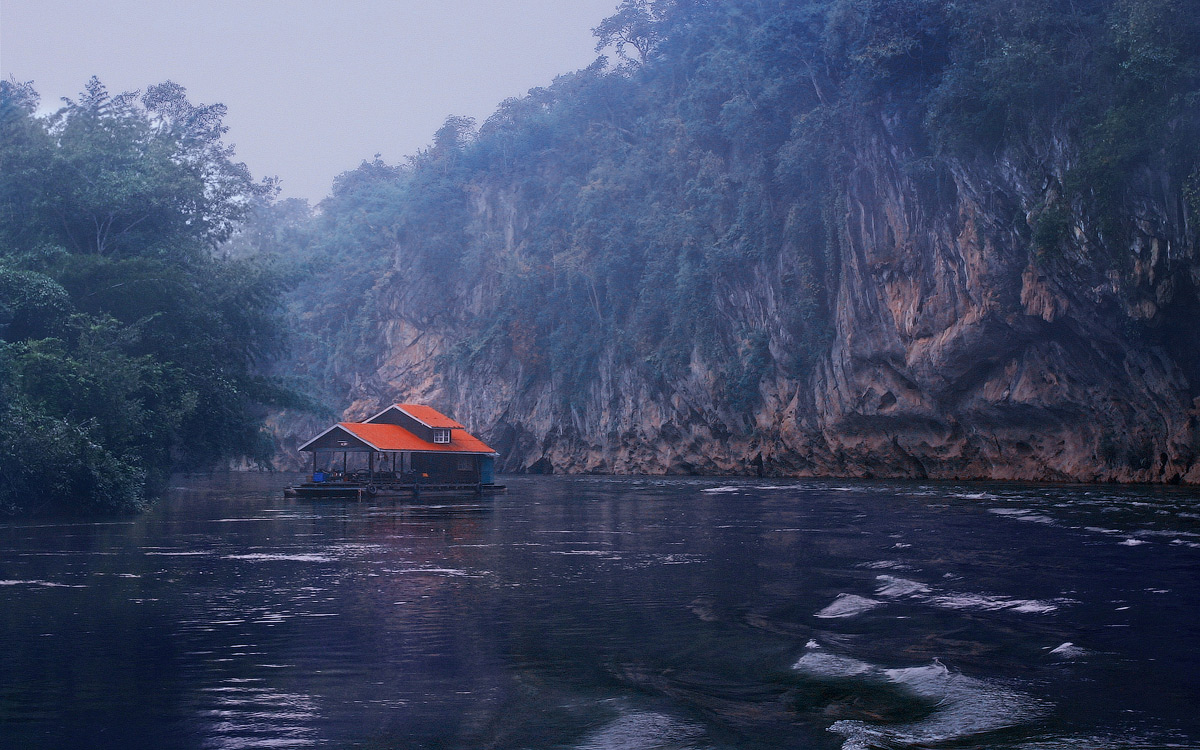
column 348, row 464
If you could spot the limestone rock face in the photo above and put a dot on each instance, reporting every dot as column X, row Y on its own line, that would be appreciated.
column 958, row 350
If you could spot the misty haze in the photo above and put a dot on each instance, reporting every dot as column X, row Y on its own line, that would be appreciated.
column 678, row 374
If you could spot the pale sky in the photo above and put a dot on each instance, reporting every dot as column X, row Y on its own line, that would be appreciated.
column 313, row 87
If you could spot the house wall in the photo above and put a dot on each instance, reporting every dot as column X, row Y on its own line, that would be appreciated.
column 447, row 467
column 329, row 442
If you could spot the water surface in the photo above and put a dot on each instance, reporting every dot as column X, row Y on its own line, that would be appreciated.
column 610, row 613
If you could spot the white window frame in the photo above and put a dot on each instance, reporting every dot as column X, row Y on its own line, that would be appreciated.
column 441, row 435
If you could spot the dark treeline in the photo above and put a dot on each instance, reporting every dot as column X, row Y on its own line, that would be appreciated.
column 716, row 134
column 128, row 348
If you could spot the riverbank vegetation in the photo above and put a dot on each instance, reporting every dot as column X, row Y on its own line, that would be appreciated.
column 128, row 347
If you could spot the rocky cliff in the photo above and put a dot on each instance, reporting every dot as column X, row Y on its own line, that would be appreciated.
column 956, row 353
column 970, row 314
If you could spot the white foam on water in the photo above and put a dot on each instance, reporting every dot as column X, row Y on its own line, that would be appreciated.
column 274, row 557
column 1069, row 650
column 676, row 559
column 1033, row 606
column 43, row 584
column 1094, row 742
column 964, row 707
column 645, row 730
column 358, row 547
column 1133, row 542
column 195, row 553
column 891, row 586
column 453, row 572
column 895, row 587
column 848, row 605
column 1020, row 514
column 720, row 490
column 1165, row 533
column 885, row 565
column 986, row 603
column 976, row 496
column 818, row 662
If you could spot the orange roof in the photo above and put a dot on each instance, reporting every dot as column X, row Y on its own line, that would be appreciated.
column 390, row 437
column 428, row 415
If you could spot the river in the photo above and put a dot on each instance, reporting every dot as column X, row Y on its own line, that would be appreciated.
column 620, row 613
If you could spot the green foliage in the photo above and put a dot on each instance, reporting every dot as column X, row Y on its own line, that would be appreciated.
column 634, row 26
column 129, row 348
column 1191, row 196
column 1124, row 75
column 32, row 305
column 55, row 466
column 1051, row 229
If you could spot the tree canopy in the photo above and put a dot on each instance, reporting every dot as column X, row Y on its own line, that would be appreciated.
column 128, row 346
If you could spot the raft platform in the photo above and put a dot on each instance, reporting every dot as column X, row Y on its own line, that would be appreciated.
column 367, row 490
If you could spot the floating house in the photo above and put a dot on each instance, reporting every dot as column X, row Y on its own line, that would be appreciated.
column 408, row 449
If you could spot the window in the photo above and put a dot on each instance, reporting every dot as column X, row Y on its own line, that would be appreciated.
column 441, row 434
column 464, row 464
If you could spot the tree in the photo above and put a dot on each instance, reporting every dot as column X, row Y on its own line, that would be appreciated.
column 635, row 24
column 129, row 348
column 146, row 175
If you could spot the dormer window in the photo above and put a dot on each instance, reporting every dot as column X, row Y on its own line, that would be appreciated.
column 441, row 435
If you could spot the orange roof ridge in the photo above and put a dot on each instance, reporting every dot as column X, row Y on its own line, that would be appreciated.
column 429, row 416
column 390, row 437
column 385, row 436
